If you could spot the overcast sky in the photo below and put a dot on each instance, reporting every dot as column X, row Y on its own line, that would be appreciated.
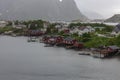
column 104, row 7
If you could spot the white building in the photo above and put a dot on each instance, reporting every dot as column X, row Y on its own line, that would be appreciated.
column 82, row 30
column 19, row 26
column 62, row 29
column 46, row 25
column 3, row 23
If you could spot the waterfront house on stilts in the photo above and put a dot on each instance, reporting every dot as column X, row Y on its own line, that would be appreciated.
column 106, row 52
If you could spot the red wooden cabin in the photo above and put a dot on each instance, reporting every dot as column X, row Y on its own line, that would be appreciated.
column 66, row 31
column 53, row 39
column 78, row 45
column 69, row 41
column 45, row 39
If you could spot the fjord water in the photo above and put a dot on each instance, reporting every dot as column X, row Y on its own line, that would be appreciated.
column 20, row 60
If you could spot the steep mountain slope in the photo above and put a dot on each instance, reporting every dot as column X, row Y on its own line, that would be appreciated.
column 115, row 18
column 40, row 9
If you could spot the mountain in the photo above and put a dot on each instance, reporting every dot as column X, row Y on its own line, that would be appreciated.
column 98, row 20
column 92, row 15
column 115, row 18
column 50, row 10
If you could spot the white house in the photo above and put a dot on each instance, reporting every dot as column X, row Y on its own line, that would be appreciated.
column 3, row 23
column 62, row 27
column 58, row 26
column 74, row 30
column 19, row 26
column 82, row 30
column 46, row 25
column 43, row 29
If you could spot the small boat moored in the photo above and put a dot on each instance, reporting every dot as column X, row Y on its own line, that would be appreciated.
column 32, row 39
column 48, row 45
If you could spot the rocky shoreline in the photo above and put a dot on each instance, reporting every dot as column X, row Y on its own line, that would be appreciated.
column 101, row 52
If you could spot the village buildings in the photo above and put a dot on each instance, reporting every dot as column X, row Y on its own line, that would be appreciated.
column 3, row 23
column 83, row 29
column 18, row 26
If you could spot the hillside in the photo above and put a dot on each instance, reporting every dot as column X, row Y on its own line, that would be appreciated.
column 40, row 9
column 115, row 18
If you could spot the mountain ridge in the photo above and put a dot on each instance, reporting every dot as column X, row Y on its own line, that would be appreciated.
column 115, row 18
column 53, row 10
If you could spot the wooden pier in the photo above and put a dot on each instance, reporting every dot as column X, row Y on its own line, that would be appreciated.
column 106, row 52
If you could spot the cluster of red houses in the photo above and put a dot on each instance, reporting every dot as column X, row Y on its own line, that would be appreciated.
column 61, row 41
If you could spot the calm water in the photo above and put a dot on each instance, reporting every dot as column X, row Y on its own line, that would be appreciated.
column 20, row 60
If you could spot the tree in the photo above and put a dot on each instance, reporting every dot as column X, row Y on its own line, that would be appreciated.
column 49, row 30
column 117, row 40
column 86, row 37
column 34, row 24
column 97, row 42
column 9, row 23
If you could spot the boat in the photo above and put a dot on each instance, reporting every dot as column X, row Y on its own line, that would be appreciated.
column 41, row 40
column 69, row 47
column 13, row 35
column 84, row 53
column 48, row 45
column 32, row 39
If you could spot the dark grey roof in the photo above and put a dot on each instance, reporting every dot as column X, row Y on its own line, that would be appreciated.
column 118, row 25
column 117, row 28
column 68, row 39
column 114, row 47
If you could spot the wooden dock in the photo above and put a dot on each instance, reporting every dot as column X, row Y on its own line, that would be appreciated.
column 85, row 53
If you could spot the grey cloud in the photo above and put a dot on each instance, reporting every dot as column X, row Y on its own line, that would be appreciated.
column 104, row 7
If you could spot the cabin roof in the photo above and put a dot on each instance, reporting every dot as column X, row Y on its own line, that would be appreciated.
column 3, row 22
column 82, row 28
column 118, row 25
column 113, row 47
column 68, row 39
column 78, row 42
column 117, row 28
column 35, row 30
